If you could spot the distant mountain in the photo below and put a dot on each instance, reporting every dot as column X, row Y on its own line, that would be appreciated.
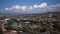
column 18, row 13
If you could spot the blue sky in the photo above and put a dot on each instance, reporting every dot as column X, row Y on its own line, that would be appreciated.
column 9, row 3
column 27, row 5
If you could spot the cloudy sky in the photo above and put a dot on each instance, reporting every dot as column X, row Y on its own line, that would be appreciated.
column 29, row 6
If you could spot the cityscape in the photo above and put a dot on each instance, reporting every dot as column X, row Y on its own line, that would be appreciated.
column 48, row 23
column 29, row 16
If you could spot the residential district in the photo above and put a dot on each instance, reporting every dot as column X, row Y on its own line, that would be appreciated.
column 30, row 24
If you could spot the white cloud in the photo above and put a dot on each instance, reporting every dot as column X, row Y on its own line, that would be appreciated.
column 10, row 8
column 30, row 8
column 23, row 7
column 53, row 8
column 17, row 7
column 43, row 5
column 36, row 6
column 6, row 8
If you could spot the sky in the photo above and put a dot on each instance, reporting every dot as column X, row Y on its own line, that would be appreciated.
column 29, row 6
